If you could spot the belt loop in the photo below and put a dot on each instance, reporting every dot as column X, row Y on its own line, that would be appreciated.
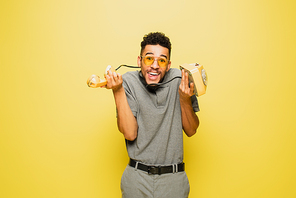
column 173, row 168
column 136, row 167
column 176, row 168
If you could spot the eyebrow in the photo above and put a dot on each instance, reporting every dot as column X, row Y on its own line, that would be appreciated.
column 153, row 54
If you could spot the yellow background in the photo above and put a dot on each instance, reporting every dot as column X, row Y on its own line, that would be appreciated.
column 59, row 138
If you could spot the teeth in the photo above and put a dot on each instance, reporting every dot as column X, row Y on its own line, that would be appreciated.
column 154, row 74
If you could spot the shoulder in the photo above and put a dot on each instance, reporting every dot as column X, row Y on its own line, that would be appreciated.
column 131, row 80
column 174, row 72
column 130, row 76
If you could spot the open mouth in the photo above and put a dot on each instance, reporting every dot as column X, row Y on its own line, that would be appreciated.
column 152, row 77
column 153, row 74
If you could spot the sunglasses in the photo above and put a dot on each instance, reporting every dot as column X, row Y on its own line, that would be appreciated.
column 149, row 60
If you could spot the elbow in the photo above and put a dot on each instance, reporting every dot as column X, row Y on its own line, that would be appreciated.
column 190, row 133
column 194, row 129
column 130, row 137
column 130, row 132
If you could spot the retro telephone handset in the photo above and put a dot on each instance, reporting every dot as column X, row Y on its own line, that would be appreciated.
column 95, row 81
column 197, row 75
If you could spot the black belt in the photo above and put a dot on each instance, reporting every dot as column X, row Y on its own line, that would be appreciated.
column 154, row 170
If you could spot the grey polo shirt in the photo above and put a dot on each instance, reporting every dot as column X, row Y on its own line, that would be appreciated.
column 158, row 113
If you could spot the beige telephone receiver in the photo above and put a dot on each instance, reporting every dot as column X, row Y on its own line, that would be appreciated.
column 198, row 76
column 95, row 81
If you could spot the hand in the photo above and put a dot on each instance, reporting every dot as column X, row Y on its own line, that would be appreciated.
column 114, row 81
column 185, row 91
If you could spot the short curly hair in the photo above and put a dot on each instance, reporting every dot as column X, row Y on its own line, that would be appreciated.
column 156, row 38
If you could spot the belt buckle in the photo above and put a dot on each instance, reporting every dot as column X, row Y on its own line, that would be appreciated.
column 153, row 170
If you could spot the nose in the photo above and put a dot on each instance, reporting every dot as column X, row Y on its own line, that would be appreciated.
column 155, row 64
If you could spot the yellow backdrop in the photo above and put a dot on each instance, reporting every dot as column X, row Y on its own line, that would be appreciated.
column 59, row 138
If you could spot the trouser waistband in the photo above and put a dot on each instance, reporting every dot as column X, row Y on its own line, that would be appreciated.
column 157, row 170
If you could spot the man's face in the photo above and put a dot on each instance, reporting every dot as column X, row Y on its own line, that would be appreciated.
column 154, row 73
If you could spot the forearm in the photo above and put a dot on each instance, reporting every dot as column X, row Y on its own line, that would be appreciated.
column 190, row 121
column 126, row 121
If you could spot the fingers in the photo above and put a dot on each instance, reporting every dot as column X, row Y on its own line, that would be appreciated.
column 192, row 88
column 113, row 80
column 181, row 87
column 184, row 81
column 185, row 88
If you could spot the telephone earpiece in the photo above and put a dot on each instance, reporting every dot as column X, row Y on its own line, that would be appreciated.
column 95, row 81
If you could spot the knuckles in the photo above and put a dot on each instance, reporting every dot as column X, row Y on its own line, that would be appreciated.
column 114, row 80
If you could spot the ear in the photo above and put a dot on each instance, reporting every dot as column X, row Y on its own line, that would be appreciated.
column 169, row 66
column 139, row 61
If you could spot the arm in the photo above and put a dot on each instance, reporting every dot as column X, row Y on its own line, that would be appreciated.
column 126, row 121
column 190, row 121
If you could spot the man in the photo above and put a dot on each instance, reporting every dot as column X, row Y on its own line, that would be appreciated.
column 151, row 118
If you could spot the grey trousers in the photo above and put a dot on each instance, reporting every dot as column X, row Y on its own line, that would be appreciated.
column 139, row 184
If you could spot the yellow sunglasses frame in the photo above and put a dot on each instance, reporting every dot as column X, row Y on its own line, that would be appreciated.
column 155, row 59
